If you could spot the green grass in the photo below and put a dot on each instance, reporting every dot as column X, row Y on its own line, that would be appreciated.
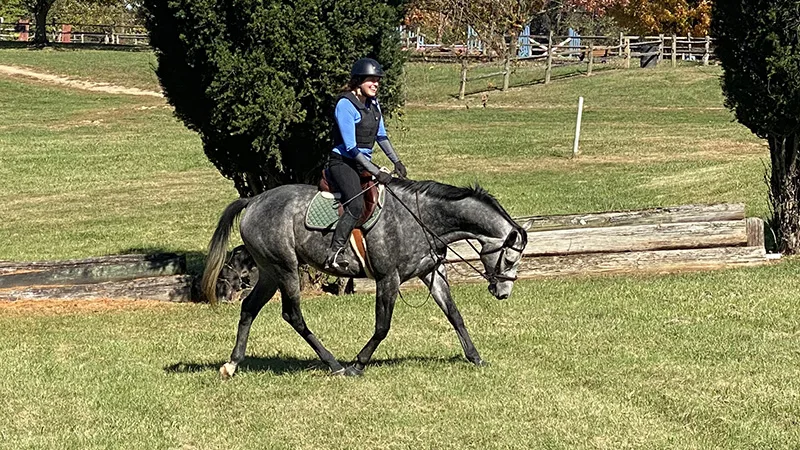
column 687, row 361
column 131, row 69
column 649, row 138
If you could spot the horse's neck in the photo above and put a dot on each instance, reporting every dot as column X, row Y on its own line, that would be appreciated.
column 468, row 218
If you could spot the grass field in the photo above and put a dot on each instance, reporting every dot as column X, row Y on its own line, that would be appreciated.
column 690, row 361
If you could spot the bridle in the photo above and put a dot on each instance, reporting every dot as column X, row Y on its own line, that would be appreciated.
column 495, row 275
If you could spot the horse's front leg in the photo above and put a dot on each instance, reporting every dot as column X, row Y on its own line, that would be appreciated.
column 440, row 291
column 385, row 297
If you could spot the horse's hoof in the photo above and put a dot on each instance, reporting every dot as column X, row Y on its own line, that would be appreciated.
column 481, row 363
column 227, row 370
column 338, row 373
column 353, row 371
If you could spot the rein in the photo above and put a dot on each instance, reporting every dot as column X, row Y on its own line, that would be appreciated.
column 492, row 277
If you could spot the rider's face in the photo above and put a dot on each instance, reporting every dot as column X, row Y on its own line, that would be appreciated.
column 369, row 86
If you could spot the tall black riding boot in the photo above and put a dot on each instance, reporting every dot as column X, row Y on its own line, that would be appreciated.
column 340, row 236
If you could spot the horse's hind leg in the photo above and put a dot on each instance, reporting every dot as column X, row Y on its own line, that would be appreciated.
column 290, row 301
column 251, row 305
column 440, row 291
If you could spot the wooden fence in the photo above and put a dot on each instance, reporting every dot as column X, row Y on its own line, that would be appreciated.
column 23, row 31
column 555, row 51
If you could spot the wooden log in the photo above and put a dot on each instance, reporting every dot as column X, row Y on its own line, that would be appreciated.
column 176, row 288
column 625, row 238
column 659, row 261
column 676, row 214
column 91, row 270
column 755, row 232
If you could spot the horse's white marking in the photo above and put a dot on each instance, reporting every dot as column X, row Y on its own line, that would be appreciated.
column 227, row 370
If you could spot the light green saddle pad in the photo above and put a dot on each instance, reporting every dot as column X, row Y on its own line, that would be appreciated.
column 323, row 211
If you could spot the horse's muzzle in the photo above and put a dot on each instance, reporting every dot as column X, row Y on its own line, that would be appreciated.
column 500, row 294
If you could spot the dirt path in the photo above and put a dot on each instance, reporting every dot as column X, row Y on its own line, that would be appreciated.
column 78, row 84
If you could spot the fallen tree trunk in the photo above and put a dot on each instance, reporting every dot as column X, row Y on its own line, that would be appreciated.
column 659, row 261
column 176, row 288
column 91, row 270
column 676, row 214
column 624, row 238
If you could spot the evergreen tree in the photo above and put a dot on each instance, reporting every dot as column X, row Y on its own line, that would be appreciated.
column 758, row 43
column 258, row 79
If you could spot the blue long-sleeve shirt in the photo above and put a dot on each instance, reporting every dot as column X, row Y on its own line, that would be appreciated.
column 347, row 116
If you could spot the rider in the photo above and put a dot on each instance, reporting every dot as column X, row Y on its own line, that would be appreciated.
column 359, row 124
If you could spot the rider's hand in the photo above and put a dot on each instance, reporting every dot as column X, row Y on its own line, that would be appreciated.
column 383, row 177
column 400, row 169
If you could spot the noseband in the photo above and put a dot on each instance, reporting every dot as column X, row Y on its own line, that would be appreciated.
column 494, row 276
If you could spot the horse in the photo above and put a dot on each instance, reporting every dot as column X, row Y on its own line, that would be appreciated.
column 418, row 221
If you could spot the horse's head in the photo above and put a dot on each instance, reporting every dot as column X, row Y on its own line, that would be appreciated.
column 500, row 263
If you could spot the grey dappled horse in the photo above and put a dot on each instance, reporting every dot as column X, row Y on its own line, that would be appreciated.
column 274, row 232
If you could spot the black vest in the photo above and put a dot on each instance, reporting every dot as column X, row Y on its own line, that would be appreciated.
column 366, row 129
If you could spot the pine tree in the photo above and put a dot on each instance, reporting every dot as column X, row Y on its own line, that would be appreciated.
column 258, row 79
column 758, row 44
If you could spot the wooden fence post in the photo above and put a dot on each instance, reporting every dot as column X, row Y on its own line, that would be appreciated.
column 549, row 70
column 591, row 58
column 627, row 53
column 674, row 51
column 463, row 88
column 660, row 48
column 25, row 29
column 689, row 38
column 707, row 51
column 507, row 64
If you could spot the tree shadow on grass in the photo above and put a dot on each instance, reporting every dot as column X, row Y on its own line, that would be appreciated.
column 280, row 365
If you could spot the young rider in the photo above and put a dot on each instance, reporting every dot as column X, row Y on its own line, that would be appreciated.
column 358, row 125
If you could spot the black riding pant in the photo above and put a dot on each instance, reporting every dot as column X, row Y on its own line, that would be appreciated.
column 345, row 175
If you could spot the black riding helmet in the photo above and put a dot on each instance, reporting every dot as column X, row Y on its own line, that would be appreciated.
column 366, row 67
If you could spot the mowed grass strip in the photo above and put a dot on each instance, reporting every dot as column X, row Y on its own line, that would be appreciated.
column 684, row 361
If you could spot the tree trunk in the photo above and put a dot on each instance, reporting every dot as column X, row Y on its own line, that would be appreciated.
column 40, row 12
column 784, row 190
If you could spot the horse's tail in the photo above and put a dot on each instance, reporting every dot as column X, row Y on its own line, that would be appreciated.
column 217, row 249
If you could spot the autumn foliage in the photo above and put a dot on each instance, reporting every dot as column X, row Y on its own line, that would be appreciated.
column 665, row 16
column 635, row 16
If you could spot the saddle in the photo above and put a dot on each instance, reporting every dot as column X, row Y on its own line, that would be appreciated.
column 325, row 209
column 371, row 195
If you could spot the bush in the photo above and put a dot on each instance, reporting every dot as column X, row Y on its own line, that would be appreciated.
column 258, row 79
column 757, row 44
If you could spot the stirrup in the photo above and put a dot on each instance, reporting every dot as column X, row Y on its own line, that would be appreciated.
column 331, row 263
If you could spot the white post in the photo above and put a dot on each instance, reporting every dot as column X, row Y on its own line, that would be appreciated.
column 578, row 127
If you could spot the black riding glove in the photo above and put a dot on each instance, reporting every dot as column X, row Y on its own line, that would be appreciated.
column 383, row 177
column 400, row 169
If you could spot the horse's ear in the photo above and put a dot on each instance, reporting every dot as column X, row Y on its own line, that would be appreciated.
column 527, row 225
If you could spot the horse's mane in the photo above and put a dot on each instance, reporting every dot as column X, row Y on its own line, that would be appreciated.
column 442, row 191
